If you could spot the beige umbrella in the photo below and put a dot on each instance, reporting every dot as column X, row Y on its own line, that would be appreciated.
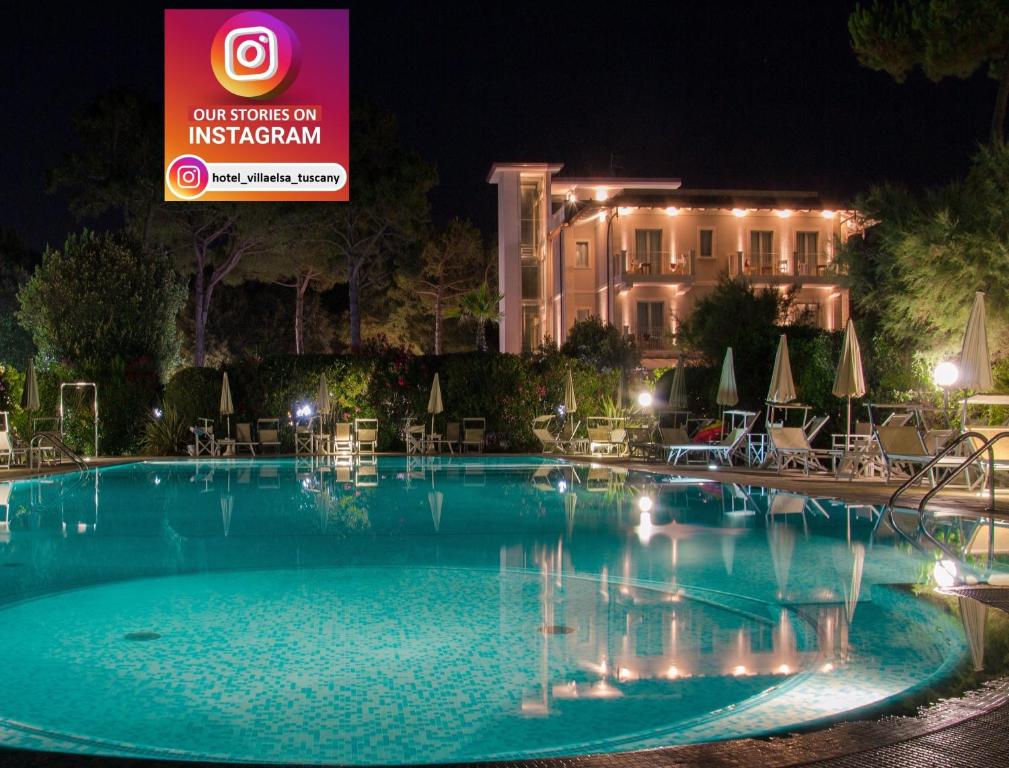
column 782, row 389
column 30, row 396
column 434, row 404
column 227, row 407
column 570, row 403
column 849, row 381
column 678, row 388
column 728, row 394
column 973, row 614
column 975, row 363
column 322, row 404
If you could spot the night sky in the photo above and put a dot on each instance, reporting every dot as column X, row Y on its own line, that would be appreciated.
column 748, row 95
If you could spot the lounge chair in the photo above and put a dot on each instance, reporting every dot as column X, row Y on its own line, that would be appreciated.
column 543, row 432
column 474, row 432
column 1000, row 449
column 243, row 437
column 343, row 440
column 567, row 439
column 453, row 435
column 6, row 450
column 788, row 447
column 366, row 432
column 607, row 436
column 903, row 451
column 721, row 452
column 814, row 426
column 269, row 433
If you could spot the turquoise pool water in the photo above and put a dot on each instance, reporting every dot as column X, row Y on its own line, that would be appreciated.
column 442, row 610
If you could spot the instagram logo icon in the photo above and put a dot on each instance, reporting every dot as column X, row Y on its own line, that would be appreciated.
column 187, row 177
column 255, row 55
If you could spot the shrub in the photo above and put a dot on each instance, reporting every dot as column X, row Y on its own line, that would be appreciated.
column 600, row 345
column 165, row 436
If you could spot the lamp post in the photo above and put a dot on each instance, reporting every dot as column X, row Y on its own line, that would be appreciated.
column 945, row 375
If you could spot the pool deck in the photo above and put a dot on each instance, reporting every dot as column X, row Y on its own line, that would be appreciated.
column 972, row 730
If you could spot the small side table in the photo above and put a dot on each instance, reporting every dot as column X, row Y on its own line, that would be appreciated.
column 226, row 446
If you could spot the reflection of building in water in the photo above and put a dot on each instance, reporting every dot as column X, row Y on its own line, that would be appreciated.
column 601, row 634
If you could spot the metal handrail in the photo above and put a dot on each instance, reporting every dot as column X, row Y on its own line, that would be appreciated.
column 57, row 443
column 987, row 446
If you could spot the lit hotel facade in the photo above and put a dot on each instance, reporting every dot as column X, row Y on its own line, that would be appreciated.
column 639, row 253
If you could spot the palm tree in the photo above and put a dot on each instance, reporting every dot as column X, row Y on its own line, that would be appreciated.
column 481, row 305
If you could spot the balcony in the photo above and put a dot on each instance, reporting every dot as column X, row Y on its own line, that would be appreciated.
column 632, row 267
column 773, row 269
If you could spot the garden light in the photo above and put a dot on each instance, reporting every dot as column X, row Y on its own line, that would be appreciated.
column 645, row 503
column 945, row 374
column 158, row 413
column 303, row 411
column 645, row 399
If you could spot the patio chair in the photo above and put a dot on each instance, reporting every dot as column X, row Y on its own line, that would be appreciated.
column 366, row 431
column 788, row 447
column 474, row 430
column 543, row 432
column 6, row 450
column 304, row 436
column 5, row 502
column 243, row 437
column 269, row 433
column 204, row 441
column 814, row 426
column 607, row 436
column 567, row 437
column 414, row 437
column 1000, row 450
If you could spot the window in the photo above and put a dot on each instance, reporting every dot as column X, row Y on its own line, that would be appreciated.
column 530, row 327
column 582, row 254
column 648, row 251
column 651, row 324
column 807, row 258
column 706, row 243
column 761, row 252
column 530, row 240
column 582, row 314
column 805, row 313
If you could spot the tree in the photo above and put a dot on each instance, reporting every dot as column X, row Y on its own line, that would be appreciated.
column 387, row 212
column 482, row 306
column 100, row 298
column 210, row 241
column 118, row 165
column 451, row 263
column 17, row 262
column 917, row 270
column 600, row 345
column 945, row 38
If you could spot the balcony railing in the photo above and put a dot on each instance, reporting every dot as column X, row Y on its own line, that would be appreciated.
column 637, row 265
column 775, row 267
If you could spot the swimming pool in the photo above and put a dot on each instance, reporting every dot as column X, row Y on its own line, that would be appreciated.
column 435, row 610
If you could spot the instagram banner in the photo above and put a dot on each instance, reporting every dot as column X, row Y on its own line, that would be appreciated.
column 257, row 105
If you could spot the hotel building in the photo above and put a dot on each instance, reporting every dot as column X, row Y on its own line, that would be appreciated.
column 639, row 253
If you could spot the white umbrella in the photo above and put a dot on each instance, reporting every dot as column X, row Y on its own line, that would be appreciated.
column 227, row 407
column 849, row 381
column 782, row 389
column 973, row 614
column 678, row 388
column 975, row 363
column 435, row 500
column 434, row 404
column 570, row 403
column 728, row 394
column 322, row 404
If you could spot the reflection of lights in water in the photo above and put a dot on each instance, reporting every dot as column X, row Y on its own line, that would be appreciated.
column 712, row 467
column 828, row 667
column 645, row 528
column 672, row 673
column 625, row 674
column 944, row 573
column 603, row 690
column 738, row 671
column 562, row 487
column 784, row 669
column 157, row 480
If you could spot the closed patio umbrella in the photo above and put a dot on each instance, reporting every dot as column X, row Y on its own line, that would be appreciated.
column 621, row 389
column 227, row 407
column 30, row 396
column 322, row 404
column 434, row 404
column 678, row 388
column 728, row 394
column 782, row 389
column 849, row 381
column 975, row 363
column 570, row 403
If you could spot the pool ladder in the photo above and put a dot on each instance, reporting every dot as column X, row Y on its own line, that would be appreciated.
column 55, row 441
column 985, row 446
